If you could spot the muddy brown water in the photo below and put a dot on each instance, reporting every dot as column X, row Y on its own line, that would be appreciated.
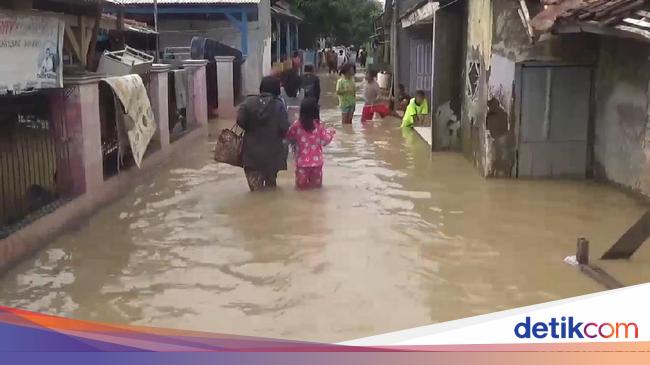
column 398, row 237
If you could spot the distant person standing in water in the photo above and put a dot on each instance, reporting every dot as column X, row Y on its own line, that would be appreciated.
column 265, row 122
column 372, row 99
column 296, row 61
column 363, row 57
column 311, row 83
column 342, row 59
column 346, row 89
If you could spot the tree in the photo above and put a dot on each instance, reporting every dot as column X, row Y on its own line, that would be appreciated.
column 345, row 21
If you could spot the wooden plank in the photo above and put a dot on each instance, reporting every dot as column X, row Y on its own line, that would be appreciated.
column 643, row 13
column 83, row 40
column 94, row 33
column 631, row 241
column 637, row 22
column 526, row 13
column 633, row 30
column 72, row 40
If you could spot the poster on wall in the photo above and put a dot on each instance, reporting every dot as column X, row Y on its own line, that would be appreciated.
column 31, row 46
column 138, row 118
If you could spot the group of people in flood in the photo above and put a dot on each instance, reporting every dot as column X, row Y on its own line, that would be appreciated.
column 268, row 134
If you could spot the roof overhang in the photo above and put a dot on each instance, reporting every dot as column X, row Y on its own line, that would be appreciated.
column 422, row 15
column 625, row 19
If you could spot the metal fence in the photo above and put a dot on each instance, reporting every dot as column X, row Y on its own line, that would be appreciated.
column 34, row 157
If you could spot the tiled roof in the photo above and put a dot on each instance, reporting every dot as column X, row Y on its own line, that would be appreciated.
column 631, row 16
column 191, row 2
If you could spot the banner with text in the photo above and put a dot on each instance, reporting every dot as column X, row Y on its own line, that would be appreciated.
column 31, row 46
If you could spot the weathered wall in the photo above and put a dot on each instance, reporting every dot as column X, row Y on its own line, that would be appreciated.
column 622, row 137
column 447, row 72
column 477, row 64
column 179, row 33
column 489, row 123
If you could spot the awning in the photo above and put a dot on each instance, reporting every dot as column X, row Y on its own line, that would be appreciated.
column 422, row 15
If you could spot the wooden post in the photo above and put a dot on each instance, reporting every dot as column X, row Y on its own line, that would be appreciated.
column 90, row 56
column 596, row 273
column 83, row 41
column 582, row 254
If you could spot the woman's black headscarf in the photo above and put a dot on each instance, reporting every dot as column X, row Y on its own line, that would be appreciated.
column 270, row 85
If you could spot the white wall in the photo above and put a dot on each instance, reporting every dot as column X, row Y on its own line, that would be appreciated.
column 265, row 28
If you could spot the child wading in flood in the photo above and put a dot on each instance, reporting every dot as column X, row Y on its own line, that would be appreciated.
column 346, row 89
column 372, row 98
column 309, row 136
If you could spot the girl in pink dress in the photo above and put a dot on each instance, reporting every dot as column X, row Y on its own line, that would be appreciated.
column 309, row 136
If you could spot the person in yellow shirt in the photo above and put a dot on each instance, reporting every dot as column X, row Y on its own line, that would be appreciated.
column 347, row 91
column 418, row 107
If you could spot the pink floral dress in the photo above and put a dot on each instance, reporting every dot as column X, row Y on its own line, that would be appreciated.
column 309, row 153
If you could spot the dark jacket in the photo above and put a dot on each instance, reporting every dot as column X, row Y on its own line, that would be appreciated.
column 264, row 119
column 311, row 85
column 291, row 82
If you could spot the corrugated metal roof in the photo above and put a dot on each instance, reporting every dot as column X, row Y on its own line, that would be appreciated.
column 190, row 2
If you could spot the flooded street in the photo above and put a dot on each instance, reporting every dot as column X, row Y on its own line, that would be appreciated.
column 398, row 237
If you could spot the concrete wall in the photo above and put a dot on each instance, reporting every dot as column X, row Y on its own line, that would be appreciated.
column 89, row 189
column 477, row 57
column 447, row 80
column 622, row 134
column 497, row 42
column 179, row 33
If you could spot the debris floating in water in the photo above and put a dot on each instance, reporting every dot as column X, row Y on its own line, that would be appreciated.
column 571, row 260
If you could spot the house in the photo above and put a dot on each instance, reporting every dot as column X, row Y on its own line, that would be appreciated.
column 428, row 51
column 285, row 31
column 558, row 89
column 241, row 24
column 52, row 134
column 534, row 88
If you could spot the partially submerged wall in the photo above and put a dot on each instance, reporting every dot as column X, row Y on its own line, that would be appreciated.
column 477, row 64
column 447, row 78
column 622, row 125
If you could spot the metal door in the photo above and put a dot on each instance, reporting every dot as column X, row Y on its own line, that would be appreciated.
column 554, row 121
column 421, row 65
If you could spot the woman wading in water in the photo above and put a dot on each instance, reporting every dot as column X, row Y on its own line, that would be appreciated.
column 265, row 122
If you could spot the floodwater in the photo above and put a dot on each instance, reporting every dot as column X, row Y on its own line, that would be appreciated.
column 398, row 237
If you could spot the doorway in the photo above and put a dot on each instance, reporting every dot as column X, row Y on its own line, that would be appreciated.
column 421, row 57
column 554, row 114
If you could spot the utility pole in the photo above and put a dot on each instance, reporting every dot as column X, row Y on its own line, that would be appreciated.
column 155, row 26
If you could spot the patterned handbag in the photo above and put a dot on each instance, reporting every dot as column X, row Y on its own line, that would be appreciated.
column 229, row 147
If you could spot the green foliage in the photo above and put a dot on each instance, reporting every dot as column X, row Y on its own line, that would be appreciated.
column 345, row 21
